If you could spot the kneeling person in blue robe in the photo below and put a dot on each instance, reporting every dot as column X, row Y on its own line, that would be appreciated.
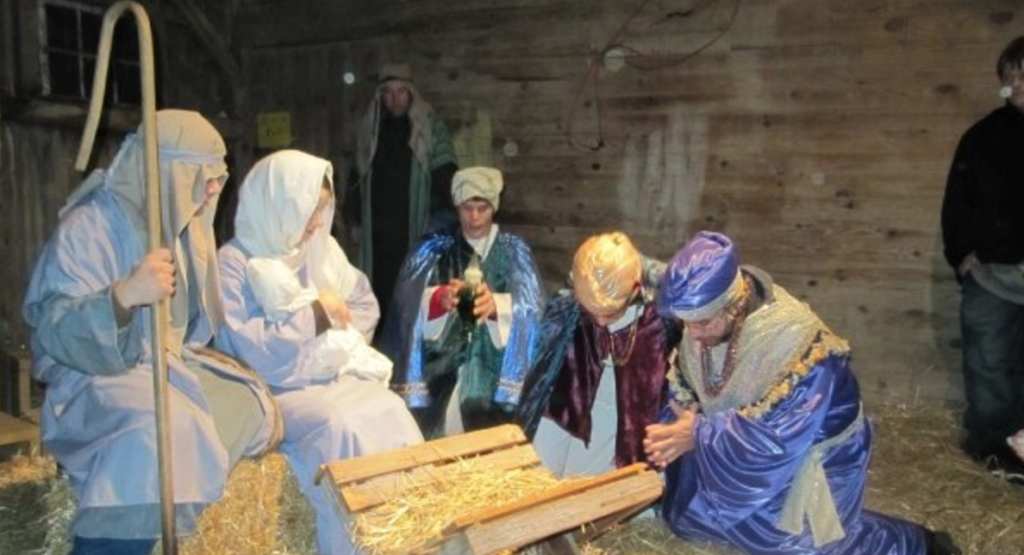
column 769, row 447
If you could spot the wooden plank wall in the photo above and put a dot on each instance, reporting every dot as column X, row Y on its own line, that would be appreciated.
column 817, row 133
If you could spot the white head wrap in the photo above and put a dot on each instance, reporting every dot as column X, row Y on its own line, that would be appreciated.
column 477, row 182
column 276, row 201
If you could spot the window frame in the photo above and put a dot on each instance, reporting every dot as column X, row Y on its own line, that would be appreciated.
column 21, row 98
column 84, row 56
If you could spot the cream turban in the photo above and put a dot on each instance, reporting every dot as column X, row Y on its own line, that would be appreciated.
column 605, row 273
column 477, row 182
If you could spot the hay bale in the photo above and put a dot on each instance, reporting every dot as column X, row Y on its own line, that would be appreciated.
column 262, row 511
column 24, row 481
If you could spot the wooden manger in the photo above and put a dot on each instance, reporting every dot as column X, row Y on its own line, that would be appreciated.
column 554, row 520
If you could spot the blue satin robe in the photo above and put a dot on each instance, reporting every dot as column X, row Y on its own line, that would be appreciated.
column 732, row 486
column 403, row 338
column 98, row 413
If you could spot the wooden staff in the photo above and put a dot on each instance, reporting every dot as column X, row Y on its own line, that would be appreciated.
column 159, row 313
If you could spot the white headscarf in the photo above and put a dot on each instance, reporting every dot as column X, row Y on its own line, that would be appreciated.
column 276, row 201
column 191, row 152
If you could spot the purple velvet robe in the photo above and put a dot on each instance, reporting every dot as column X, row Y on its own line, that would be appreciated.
column 639, row 381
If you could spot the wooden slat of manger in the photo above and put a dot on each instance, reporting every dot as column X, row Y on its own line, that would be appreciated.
column 358, row 469
column 538, row 522
column 381, row 489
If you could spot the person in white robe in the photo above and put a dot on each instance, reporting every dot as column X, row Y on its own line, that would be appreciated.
column 285, row 206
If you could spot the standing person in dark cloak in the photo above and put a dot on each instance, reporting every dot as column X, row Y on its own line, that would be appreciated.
column 405, row 158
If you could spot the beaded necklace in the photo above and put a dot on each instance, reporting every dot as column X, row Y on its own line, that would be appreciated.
column 618, row 359
column 714, row 382
column 634, row 326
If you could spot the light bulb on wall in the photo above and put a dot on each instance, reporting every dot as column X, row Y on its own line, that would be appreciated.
column 614, row 59
column 510, row 148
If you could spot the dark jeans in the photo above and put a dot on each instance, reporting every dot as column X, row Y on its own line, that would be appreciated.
column 110, row 546
column 993, row 367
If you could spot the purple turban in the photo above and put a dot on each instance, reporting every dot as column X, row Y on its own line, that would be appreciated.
column 701, row 280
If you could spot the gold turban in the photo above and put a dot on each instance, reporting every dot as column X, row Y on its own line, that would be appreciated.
column 606, row 272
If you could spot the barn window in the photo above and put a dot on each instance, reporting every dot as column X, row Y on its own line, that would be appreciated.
column 70, row 38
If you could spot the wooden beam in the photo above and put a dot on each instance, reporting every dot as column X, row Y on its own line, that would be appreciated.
column 65, row 114
column 210, row 37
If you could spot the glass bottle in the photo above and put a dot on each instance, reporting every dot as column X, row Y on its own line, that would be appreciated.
column 471, row 279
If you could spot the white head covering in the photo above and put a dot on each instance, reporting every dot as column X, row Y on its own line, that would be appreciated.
column 275, row 203
column 191, row 152
column 477, row 182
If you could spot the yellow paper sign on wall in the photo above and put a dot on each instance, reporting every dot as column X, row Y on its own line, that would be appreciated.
column 274, row 129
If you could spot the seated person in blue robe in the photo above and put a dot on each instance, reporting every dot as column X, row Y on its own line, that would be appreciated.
column 88, row 304
column 770, row 448
column 460, row 365
column 599, row 379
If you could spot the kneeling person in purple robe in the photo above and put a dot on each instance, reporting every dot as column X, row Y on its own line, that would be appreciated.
column 599, row 379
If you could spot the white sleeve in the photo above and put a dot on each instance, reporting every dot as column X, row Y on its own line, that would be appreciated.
column 502, row 327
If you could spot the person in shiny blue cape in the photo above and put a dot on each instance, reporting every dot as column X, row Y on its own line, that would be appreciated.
column 463, row 369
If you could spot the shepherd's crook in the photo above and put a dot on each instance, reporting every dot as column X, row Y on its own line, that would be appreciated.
column 159, row 312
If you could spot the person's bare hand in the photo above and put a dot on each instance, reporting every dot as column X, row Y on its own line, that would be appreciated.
column 665, row 443
column 450, row 298
column 484, row 307
column 336, row 308
column 1016, row 442
column 150, row 281
column 970, row 262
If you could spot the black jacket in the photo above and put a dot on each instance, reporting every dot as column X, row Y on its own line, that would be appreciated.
column 983, row 208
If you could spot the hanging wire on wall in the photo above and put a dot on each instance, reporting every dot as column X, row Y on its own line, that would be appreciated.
column 634, row 58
